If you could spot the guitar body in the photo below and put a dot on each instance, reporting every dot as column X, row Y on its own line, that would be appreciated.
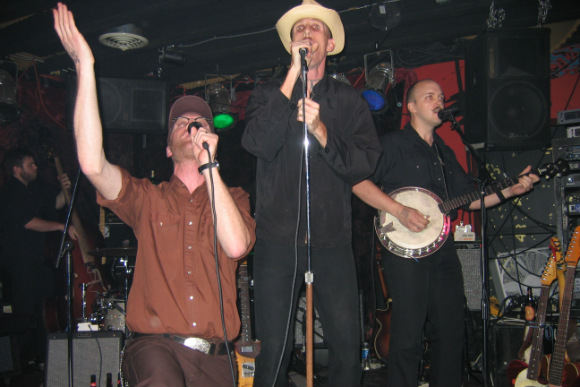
column 245, row 358
column 383, row 336
column 523, row 381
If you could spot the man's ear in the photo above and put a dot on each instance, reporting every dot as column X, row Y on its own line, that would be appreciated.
column 168, row 152
column 411, row 107
column 330, row 45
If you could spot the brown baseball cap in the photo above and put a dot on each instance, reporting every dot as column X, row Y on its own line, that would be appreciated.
column 189, row 104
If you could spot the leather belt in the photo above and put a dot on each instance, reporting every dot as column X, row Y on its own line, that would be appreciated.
column 197, row 343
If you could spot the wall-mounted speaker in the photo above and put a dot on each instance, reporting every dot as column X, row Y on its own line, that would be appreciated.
column 507, row 89
column 93, row 353
column 127, row 105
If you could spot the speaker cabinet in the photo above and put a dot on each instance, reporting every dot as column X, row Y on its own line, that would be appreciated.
column 94, row 353
column 470, row 258
column 507, row 341
column 300, row 326
column 127, row 105
column 507, row 87
column 9, row 356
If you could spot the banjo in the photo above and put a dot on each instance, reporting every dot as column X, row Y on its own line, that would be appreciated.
column 407, row 244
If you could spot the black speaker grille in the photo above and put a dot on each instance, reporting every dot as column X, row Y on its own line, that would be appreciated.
column 518, row 110
column 470, row 258
column 507, row 89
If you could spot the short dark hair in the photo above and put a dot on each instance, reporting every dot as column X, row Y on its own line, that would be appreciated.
column 15, row 158
column 411, row 90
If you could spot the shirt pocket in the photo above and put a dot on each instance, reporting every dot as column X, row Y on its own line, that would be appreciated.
column 165, row 223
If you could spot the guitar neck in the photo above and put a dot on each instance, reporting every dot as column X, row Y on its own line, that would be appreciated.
column 245, row 311
column 558, row 355
column 538, row 334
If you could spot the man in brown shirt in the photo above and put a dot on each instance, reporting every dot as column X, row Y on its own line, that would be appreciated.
column 179, row 336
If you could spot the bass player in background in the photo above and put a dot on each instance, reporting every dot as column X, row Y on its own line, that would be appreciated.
column 27, row 213
column 426, row 292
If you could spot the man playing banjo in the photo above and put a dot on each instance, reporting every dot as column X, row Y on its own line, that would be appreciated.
column 429, row 288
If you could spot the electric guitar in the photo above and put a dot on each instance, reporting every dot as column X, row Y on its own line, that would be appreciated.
column 531, row 375
column 246, row 348
column 407, row 244
column 558, row 356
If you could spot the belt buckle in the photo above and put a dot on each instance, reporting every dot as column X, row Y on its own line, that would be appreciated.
column 198, row 344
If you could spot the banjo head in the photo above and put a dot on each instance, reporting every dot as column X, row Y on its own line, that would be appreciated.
column 407, row 244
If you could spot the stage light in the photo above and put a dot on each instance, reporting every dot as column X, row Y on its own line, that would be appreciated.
column 9, row 110
column 220, row 103
column 169, row 55
column 377, row 80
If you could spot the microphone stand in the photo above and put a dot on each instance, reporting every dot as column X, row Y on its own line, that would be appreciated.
column 481, row 180
column 66, row 248
column 308, row 276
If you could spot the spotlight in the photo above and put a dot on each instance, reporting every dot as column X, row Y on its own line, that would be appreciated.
column 220, row 103
column 9, row 110
column 377, row 81
column 171, row 56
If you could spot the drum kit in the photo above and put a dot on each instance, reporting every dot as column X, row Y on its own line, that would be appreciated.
column 109, row 309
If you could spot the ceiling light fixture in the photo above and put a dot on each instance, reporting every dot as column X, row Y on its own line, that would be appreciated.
column 125, row 37
column 220, row 103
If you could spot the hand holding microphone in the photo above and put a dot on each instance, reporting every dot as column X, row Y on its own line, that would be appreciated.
column 197, row 125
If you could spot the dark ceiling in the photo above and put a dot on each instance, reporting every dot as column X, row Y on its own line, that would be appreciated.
column 238, row 37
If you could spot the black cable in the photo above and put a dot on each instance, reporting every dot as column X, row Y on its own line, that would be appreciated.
column 217, row 268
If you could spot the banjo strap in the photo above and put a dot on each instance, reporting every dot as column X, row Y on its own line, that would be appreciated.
column 442, row 165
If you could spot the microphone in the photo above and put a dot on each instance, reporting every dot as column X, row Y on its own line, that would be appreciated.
column 303, row 51
column 447, row 114
column 191, row 125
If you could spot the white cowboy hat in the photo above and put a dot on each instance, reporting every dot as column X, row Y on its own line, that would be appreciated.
column 311, row 9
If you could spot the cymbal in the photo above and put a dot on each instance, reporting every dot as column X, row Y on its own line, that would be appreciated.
column 114, row 252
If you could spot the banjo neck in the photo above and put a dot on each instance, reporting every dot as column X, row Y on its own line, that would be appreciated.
column 548, row 170
column 462, row 200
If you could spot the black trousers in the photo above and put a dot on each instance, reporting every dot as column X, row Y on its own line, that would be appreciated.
column 427, row 293
column 335, row 296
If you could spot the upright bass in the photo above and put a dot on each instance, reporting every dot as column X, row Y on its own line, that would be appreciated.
column 86, row 280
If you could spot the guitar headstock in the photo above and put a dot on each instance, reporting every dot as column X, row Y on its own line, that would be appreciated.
column 573, row 252
column 549, row 274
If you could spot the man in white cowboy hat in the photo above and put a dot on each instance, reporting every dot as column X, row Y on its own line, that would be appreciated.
column 174, row 312
column 343, row 150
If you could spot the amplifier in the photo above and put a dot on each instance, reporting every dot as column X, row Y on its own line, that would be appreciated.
column 572, row 180
column 93, row 353
column 569, row 116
